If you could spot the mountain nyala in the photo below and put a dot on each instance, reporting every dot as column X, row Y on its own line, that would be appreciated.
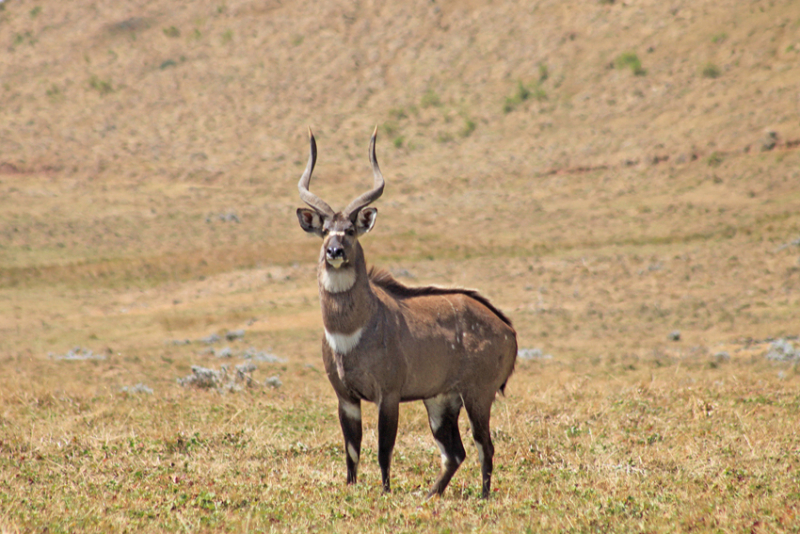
column 387, row 343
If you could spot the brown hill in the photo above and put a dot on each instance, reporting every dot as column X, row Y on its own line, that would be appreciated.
column 134, row 136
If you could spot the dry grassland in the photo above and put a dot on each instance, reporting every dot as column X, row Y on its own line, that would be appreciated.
column 602, row 171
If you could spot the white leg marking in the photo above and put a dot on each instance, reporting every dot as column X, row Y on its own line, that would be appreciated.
column 338, row 280
column 480, row 452
column 436, row 407
column 351, row 410
column 442, row 451
column 351, row 450
column 343, row 343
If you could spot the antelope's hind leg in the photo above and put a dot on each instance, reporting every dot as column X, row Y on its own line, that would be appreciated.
column 479, row 413
column 350, row 420
column 443, row 412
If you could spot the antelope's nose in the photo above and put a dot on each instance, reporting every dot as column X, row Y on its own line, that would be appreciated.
column 335, row 252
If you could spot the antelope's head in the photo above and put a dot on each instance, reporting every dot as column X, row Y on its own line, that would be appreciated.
column 339, row 231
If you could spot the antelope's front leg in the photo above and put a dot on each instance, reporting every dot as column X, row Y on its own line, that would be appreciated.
column 350, row 419
column 388, row 414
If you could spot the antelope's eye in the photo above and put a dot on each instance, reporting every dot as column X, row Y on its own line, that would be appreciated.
column 351, row 232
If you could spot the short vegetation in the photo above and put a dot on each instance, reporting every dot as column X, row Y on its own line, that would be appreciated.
column 629, row 60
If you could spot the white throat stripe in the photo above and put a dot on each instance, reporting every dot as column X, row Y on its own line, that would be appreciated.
column 338, row 280
column 343, row 343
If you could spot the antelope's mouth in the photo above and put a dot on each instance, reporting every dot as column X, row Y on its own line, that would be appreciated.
column 335, row 261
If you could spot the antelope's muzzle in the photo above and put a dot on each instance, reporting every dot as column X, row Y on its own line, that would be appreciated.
column 334, row 254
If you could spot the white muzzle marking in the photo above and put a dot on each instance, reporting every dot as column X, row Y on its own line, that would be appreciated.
column 343, row 343
column 334, row 262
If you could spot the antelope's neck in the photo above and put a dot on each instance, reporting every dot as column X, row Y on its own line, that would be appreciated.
column 347, row 301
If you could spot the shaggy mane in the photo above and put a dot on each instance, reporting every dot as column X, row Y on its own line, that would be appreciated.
column 386, row 281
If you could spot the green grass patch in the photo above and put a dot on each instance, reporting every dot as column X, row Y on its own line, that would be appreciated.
column 629, row 60
column 710, row 70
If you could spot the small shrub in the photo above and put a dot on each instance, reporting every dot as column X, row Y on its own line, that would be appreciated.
column 468, row 128
column 172, row 31
column 522, row 94
column 719, row 37
column 227, row 36
column 35, row 12
column 630, row 60
column 398, row 141
column 430, row 99
column 543, row 73
column 398, row 113
column 54, row 91
column 390, row 128
column 103, row 87
column 711, row 71
column 715, row 159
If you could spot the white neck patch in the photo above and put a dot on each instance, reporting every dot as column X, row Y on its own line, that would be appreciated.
column 343, row 343
column 337, row 280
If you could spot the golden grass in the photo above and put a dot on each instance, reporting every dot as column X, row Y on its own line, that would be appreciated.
column 657, row 443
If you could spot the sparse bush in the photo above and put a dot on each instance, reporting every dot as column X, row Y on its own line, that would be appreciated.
column 523, row 94
column 430, row 99
column 35, row 12
column 711, row 71
column 172, row 31
column 103, row 87
column 719, row 37
column 398, row 113
column 390, row 128
column 468, row 128
column 227, row 36
column 715, row 159
column 630, row 60
column 53, row 91
column 398, row 141
column 544, row 73
column 22, row 38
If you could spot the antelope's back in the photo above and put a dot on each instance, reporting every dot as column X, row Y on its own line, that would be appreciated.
column 457, row 333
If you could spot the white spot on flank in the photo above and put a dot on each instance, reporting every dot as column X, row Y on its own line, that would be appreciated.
column 343, row 343
column 351, row 450
column 337, row 281
column 351, row 410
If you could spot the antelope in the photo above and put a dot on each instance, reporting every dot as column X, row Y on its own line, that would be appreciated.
column 387, row 343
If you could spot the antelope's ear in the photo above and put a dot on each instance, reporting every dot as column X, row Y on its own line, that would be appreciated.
column 365, row 220
column 310, row 221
